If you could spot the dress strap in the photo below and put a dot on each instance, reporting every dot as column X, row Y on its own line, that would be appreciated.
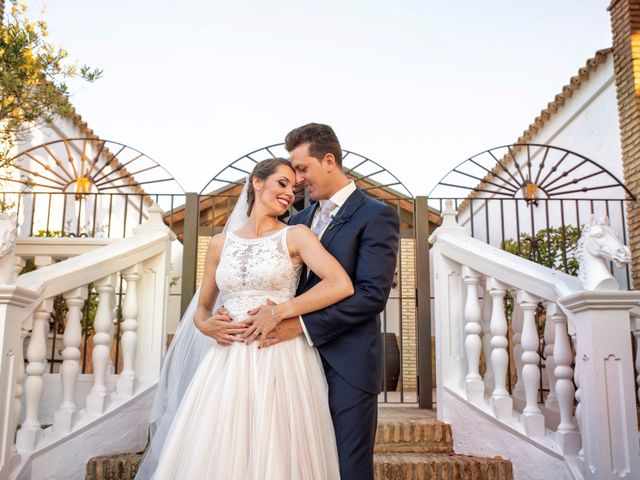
column 285, row 246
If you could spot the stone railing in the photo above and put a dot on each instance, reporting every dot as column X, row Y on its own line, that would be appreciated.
column 138, row 266
column 489, row 307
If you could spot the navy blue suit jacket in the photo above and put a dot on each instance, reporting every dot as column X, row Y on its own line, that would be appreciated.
column 363, row 237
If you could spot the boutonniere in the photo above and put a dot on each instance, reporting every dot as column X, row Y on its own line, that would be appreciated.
column 338, row 219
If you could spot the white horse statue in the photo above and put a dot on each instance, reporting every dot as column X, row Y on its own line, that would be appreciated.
column 8, row 234
column 598, row 245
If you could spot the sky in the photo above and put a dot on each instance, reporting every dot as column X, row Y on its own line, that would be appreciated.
column 417, row 86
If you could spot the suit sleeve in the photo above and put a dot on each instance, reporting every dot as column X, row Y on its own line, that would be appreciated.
column 375, row 266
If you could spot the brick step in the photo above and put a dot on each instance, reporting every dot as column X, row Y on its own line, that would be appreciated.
column 410, row 444
column 424, row 466
column 410, row 430
column 120, row 466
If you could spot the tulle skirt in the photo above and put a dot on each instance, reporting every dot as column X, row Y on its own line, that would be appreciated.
column 252, row 414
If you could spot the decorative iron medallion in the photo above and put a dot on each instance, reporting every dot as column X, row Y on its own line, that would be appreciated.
column 87, row 166
column 529, row 171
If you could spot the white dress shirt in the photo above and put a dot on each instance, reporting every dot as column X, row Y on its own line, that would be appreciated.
column 338, row 198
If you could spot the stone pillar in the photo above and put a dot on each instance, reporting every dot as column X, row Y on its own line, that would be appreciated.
column 13, row 300
column 607, row 384
column 625, row 27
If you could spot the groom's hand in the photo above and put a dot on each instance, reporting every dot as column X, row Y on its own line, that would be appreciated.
column 287, row 329
column 219, row 326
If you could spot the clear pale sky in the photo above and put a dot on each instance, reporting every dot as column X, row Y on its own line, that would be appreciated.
column 417, row 86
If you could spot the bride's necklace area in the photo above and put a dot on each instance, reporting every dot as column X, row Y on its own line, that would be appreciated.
column 253, row 230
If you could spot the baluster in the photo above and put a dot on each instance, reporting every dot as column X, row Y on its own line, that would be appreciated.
column 127, row 379
column 70, row 370
column 17, row 406
column 30, row 432
column 97, row 400
column 474, row 385
column 18, row 266
column 567, row 434
column 489, row 382
column 550, row 362
column 20, row 262
column 635, row 328
column 111, row 367
column 576, row 379
column 516, row 323
column 501, row 402
column 532, row 418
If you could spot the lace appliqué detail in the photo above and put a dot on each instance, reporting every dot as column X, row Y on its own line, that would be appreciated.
column 252, row 270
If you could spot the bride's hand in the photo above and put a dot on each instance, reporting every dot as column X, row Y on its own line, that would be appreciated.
column 220, row 327
column 263, row 319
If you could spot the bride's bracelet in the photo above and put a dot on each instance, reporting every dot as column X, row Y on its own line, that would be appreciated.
column 273, row 314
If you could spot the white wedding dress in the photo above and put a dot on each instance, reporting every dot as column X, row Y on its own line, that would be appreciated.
column 252, row 413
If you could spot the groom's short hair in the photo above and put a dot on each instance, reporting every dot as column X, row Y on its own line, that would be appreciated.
column 321, row 139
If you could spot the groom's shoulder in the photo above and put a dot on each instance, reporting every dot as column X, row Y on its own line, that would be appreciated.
column 377, row 206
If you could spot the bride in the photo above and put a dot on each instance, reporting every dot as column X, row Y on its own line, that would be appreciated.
column 250, row 413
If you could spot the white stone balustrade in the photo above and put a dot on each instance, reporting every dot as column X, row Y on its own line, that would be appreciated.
column 127, row 379
column 596, row 434
column 474, row 385
column 66, row 415
column 532, row 418
column 26, row 303
column 31, row 429
column 500, row 401
column 567, row 434
column 489, row 383
column 549, row 360
column 98, row 398
column 635, row 329
column 517, row 320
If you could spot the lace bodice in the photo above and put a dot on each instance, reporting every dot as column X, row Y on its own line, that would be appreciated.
column 252, row 270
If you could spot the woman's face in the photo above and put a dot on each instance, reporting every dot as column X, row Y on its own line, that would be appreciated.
column 275, row 193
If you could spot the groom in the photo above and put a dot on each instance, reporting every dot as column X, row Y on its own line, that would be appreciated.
column 362, row 233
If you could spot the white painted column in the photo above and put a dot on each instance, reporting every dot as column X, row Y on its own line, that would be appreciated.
column 30, row 432
column 578, row 408
column 65, row 416
column 474, row 386
column 549, row 362
column 489, row 383
column 532, row 418
column 516, row 324
column 448, row 291
column 607, row 382
column 98, row 397
column 13, row 301
column 127, row 380
column 500, row 401
column 635, row 329
column 18, row 265
column 567, row 434
column 20, row 371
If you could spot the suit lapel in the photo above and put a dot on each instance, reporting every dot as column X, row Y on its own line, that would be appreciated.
column 307, row 220
column 343, row 216
column 348, row 209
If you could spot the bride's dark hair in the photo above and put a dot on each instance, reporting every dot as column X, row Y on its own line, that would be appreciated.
column 263, row 170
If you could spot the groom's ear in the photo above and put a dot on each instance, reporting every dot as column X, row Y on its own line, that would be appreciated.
column 330, row 162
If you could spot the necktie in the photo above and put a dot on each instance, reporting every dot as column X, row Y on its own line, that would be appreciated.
column 324, row 217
